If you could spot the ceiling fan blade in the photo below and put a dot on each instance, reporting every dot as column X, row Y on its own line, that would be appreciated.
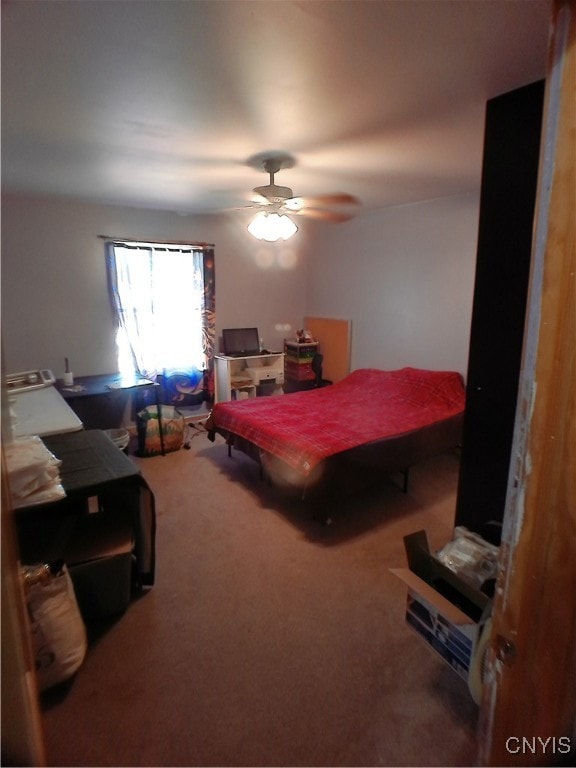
column 260, row 199
column 317, row 213
column 297, row 203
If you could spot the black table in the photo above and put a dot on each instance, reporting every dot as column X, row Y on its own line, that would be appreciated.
column 100, row 401
column 98, row 478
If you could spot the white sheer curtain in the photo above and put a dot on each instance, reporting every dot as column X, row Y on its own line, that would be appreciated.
column 158, row 292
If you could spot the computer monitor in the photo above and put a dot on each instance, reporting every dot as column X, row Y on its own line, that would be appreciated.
column 240, row 342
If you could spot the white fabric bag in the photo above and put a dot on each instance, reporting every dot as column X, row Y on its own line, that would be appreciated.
column 59, row 637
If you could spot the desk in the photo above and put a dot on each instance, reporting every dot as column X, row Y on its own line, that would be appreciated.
column 234, row 375
column 100, row 401
column 92, row 466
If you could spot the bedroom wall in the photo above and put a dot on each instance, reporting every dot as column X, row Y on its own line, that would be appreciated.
column 54, row 290
column 405, row 278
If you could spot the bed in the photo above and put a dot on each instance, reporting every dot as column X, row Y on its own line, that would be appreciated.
column 372, row 422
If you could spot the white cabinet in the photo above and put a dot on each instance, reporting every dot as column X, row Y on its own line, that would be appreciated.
column 240, row 377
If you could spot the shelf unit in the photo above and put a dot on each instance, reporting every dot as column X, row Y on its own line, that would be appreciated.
column 236, row 378
column 512, row 133
column 298, row 362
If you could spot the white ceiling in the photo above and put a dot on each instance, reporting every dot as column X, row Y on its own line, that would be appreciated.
column 160, row 103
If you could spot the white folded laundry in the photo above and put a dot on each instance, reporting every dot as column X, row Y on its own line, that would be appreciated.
column 32, row 468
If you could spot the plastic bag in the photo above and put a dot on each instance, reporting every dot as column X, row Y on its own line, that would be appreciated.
column 470, row 556
column 59, row 637
column 148, row 425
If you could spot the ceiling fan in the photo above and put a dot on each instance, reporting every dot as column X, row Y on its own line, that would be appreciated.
column 272, row 198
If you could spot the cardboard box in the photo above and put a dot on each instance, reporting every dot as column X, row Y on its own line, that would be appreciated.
column 99, row 559
column 445, row 610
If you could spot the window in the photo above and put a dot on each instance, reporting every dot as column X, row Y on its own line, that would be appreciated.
column 163, row 299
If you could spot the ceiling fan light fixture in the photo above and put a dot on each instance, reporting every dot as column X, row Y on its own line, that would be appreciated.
column 272, row 227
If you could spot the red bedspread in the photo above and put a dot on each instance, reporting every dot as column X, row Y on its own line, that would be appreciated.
column 303, row 428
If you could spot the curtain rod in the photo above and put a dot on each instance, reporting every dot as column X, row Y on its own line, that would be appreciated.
column 154, row 242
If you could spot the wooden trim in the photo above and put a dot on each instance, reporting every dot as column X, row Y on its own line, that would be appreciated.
column 529, row 693
column 22, row 729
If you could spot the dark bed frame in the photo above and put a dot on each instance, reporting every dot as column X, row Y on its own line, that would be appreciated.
column 351, row 470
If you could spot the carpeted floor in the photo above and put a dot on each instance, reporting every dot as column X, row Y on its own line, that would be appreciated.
column 268, row 639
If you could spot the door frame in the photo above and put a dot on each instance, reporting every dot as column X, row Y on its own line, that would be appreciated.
column 528, row 708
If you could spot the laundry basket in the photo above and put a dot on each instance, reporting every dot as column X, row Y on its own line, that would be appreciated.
column 120, row 438
column 152, row 441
